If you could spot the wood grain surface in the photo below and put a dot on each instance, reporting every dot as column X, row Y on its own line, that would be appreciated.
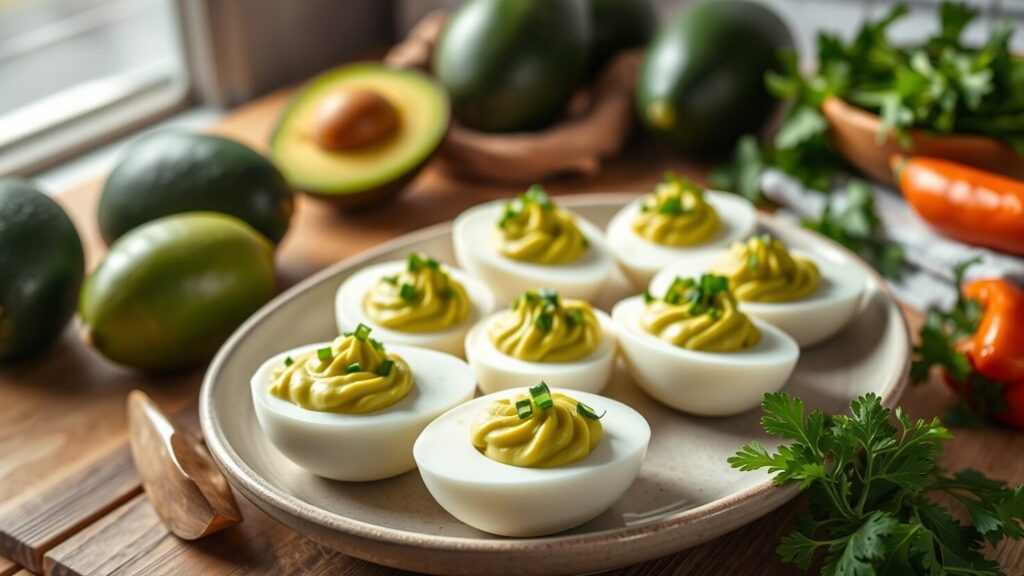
column 70, row 501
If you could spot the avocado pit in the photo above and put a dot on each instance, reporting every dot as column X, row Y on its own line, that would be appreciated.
column 353, row 118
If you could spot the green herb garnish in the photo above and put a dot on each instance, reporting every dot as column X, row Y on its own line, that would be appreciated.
column 550, row 296
column 574, row 317
column 385, row 367
column 544, row 321
column 541, row 395
column 288, row 361
column 588, row 412
column 433, row 264
column 536, row 195
column 353, row 367
column 325, row 353
column 447, row 292
column 872, row 485
column 362, row 332
column 393, row 280
column 407, row 292
column 648, row 297
column 524, row 408
column 671, row 206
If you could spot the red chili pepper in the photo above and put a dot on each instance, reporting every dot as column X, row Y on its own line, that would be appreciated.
column 997, row 348
column 964, row 203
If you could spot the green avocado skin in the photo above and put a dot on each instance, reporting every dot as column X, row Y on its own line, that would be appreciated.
column 171, row 171
column 619, row 25
column 511, row 65
column 706, row 69
column 41, row 269
column 171, row 291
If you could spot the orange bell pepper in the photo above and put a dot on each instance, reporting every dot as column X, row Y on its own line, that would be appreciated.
column 997, row 348
column 964, row 203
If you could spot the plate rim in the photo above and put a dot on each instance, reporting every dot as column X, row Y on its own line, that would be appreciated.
column 252, row 484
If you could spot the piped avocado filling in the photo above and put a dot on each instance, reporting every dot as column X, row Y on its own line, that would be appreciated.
column 422, row 298
column 537, row 430
column 354, row 375
column 676, row 214
column 542, row 327
column 762, row 270
column 533, row 229
column 699, row 315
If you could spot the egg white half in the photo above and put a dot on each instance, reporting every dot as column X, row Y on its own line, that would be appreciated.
column 515, row 501
column 703, row 383
column 641, row 259
column 496, row 370
column 809, row 320
column 473, row 235
column 360, row 447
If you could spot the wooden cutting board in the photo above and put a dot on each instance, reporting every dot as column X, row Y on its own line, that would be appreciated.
column 71, row 503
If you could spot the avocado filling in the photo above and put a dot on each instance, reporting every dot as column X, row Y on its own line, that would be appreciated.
column 676, row 214
column 537, row 430
column 541, row 327
column 700, row 315
column 762, row 270
column 533, row 229
column 422, row 298
column 354, row 375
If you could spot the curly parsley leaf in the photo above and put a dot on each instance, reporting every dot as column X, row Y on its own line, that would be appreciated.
column 871, row 475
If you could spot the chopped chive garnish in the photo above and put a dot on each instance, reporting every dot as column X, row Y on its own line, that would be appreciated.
column 588, row 412
column 433, row 264
column 712, row 284
column 524, row 408
column 675, row 291
column 325, row 353
column 507, row 215
column 447, row 292
column 549, row 295
column 407, row 292
column 574, row 317
column 542, row 396
column 362, row 332
column 648, row 297
column 376, row 344
column 538, row 196
column 752, row 260
column 414, row 262
column 543, row 321
column 385, row 367
column 288, row 361
column 713, row 312
column 672, row 206
column 390, row 279
column 353, row 367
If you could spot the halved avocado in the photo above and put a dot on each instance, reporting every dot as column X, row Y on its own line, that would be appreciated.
column 357, row 172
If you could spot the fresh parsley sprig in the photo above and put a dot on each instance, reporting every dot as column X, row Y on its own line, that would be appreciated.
column 872, row 476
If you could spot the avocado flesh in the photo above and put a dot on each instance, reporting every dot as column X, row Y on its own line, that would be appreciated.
column 371, row 173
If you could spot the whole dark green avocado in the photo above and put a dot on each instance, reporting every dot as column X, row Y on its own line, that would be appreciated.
column 701, row 85
column 512, row 65
column 41, row 269
column 619, row 25
column 172, row 171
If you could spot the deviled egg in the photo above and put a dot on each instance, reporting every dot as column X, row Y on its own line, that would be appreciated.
column 529, row 463
column 811, row 298
column 416, row 302
column 567, row 342
column 350, row 409
column 694, row 350
column 677, row 220
column 529, row 242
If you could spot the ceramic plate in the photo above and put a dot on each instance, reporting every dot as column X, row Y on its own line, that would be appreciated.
column 685, row 494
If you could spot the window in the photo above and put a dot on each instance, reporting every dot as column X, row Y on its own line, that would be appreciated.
column 73, row 72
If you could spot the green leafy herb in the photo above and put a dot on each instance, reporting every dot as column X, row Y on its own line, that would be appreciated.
column 385, row 367
column 549, row 296
column 671, row 206
column 541, row 395
column 524, row 408
column 414, row 262
column 353, row 368
column 288, row 361
column 544, row 321
column 393, row 280
column 407, row 292
column 872, row 476
column 588, row 412
column 574, row 317
column 648, row 297
column 325, row 354
column 858, row 228
column 536, row 195
column 432, row 264
column 362, row 332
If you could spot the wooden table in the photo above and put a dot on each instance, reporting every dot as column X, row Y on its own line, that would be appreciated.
column 71, row 503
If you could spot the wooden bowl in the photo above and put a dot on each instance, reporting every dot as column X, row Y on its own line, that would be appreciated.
column 855, row 135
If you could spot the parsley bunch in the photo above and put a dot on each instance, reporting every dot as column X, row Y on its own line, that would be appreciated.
column 871, row 480
column 937, row 347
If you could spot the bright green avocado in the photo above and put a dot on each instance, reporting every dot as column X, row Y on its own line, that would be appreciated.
column 619, row 25
column 171, row 291
column 41, row 269
column 170, row 172
column 368, row 174
column 512, row 65
column 701, row 85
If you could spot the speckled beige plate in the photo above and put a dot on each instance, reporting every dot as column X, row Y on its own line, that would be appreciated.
column 685, row 494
